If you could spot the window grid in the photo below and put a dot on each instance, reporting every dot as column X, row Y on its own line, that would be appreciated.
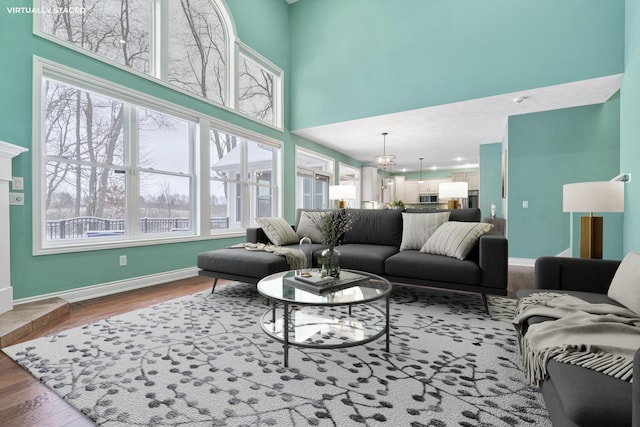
column 131, row 166
column 158, row 59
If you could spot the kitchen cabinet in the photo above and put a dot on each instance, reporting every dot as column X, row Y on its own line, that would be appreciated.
column 411, row 192
column 429, row 186
column 399, row 188
column 469, row 177
column 474, row 181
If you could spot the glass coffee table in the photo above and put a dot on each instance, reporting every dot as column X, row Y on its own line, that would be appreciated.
column 331, row 319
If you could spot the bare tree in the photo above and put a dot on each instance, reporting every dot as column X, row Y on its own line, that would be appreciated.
column 197, row 49
column 83, row 131
column 256, row 90
column 118, row 30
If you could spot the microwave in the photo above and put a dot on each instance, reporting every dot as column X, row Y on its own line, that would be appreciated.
column 428, row 198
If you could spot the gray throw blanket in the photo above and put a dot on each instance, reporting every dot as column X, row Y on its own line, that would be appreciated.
column 295, row 257
column 603, row 337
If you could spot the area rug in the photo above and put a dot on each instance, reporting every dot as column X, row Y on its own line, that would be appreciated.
column 203, row 360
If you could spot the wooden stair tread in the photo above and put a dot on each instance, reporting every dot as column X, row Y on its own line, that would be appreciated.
column 26, row 318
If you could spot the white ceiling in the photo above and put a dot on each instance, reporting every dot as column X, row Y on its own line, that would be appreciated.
column 448, row 136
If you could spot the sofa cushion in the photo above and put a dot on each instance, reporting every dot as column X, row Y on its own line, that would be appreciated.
column 455, row 239
column 307, row 225
column 625, row 286
column 590, row 398
column 278, row 230
column 240, row 261
column 375, row 227
column 418, row 227
column 438, row 268
column 368, row 258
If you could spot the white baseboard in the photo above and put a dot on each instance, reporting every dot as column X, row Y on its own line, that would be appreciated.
column 6, row 299
column 522, row 262
column 94, row 291
column 565, row 254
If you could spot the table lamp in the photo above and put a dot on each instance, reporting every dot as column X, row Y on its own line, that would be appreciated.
column 598, row 196
column 342, row 192
column 453, row 191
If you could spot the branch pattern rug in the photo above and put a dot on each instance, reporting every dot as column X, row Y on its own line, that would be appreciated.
column 203, row 360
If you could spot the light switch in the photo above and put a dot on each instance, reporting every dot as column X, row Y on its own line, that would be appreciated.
column 17, row 183
column 525, row 204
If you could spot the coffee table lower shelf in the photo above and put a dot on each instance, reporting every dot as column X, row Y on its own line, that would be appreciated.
column 325, row 327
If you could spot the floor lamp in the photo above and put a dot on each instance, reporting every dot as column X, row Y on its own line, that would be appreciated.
column 453, row 191
column 342, row 192
column 599, row 196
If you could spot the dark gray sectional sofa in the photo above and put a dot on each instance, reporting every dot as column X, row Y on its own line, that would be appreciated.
column 373, row 245
column 577, row 396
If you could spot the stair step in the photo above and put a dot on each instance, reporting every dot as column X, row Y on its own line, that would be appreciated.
column 27, row 318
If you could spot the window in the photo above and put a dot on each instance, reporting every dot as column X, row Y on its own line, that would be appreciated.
column 164, row 172
column 113, row 167
column 242, row 185
column 116, row 30
column 313, row 178
column 197, row 49
column 186, row 44
column 350, row 175
column 256, row 87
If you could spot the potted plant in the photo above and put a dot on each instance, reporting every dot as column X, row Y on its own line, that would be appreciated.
column 397, row 204
column 332, row 226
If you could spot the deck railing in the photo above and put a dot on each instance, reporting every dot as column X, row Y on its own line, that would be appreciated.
column 88, row 226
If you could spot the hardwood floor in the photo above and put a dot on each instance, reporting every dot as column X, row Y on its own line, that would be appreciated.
column 24, row 401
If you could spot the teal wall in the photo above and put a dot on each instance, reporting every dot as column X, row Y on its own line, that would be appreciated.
column 491, row 179
column 550, row 149
column 361, row 58
column 261, row 24
column 630, row 128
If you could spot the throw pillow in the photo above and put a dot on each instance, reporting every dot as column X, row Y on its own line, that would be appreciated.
column 418, row 227
column 307, row 227
column 278, row 230
column 625, row 285
column 455, row 239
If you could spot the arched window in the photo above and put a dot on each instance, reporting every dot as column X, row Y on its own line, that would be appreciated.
column 197, row 49
column 186, row 44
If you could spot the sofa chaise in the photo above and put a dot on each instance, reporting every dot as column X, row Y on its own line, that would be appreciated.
column 576, row 396
column 377, row 243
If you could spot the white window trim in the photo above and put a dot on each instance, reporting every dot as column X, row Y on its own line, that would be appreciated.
column 278, row 90
column 156, row 61
column 46, row 68
column 309, row 152
column 358, row 173
column 330, row 172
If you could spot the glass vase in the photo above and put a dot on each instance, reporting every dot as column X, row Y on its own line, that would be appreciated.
column 306, row 247
column 330, row 263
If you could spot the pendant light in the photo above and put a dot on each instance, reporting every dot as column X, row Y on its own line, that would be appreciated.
column 421, row 180
column 385, row 160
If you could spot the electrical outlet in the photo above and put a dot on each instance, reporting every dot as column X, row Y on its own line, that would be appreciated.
column 525, row 204
column 123, row 260
column 16, row 199
column 17, row 183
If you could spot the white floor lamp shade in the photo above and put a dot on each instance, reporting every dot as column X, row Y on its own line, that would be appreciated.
column 342, row 193
column 597, row 196
column 453, row 191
